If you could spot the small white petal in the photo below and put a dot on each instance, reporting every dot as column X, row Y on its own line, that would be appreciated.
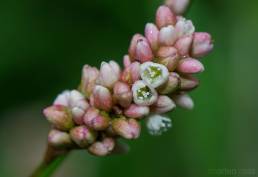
column 158, row 124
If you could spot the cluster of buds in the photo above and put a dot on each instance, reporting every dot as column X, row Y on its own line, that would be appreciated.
column 111, row 102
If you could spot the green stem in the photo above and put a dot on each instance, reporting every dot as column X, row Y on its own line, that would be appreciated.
column 52, row 160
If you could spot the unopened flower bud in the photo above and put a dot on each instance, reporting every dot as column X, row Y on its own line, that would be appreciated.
column 158, row 124
column 188, row 83
column 132, row 73
column 152, row 35
column 133, row 44
column 123, row 94
column 135, row 111
column 96, row 119
column 127, row 128
column 190, row 66
column 184, row 45
column 59, row 116
column 154, row 74
column 102, row 98
column 184, row 27
column 127, row 61
column 143, row 51
column 83, row 136
column 102, row 148
column 177, row 6
column 168, row 56
column 184, row 101
column 167, row 35
column 89, row 77
column 143, row 94
column 171, row 85
column 164, row 104
column 109, row 74
column 165, row 17
column 59, row 139
column 202, row 44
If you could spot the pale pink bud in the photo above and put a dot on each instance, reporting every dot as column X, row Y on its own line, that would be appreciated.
column 96, row 120
column 190, row 66
column 123, row 94
column 63, row 99
column 143, row 51
column 164, row 104
column 102, row 98
column 89, row 77
column 143, row 94
column 127, row 61
column 165, row 17
column 184, row 101
column 202, row 44
column 184, row 27
column 188, row 83
column 168, row 56
column 83, row 136
column 59, row 139
column 167, row 35
column 184, row 45
column 152, row 35
column 133, row 44
column 127, row 128
column 131, row 74
column 135, row 111
column 177, row 6
column 102, row 148
column 109, row 74
column 59, row 116
column 171, row 85
column 154, row 74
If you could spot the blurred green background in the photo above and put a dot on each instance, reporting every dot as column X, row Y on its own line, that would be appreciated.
column 44, row 44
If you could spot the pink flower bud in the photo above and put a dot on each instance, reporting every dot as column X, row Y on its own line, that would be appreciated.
column 109, row 74
column 89, row 77
column 59, row 116
column 167, row 35
column 143, row 94
column 135, row 111
column 188, row 83
column 131, row 74
column 96, row 120
column 165, row 17
column 143, row 51
column 152, row 35
column 184, row 101
column 190, row 66
column 177, row 6
column 132, row 48
column 164, row 104
column 184, row 27
column 184, row 45
column 127, row 128
column 127, row 61
column 59, row 139
column 172, row 84
column 102, row 148
column 123, row 94
column 102, row 98
column 82, row 136
column 169, row 57
column 202, row 45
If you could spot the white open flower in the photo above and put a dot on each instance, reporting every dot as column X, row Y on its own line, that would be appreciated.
column 158, row 124
column 154, row 74
column 143, row 94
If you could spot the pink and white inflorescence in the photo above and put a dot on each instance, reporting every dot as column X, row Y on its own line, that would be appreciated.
column 110, row 102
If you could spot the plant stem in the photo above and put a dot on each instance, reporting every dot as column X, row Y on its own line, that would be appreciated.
column 52, row 160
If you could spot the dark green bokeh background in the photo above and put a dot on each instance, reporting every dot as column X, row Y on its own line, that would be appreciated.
column 44, row 44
